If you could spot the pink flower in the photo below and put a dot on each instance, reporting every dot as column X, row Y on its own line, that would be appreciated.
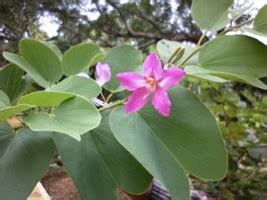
column 154, row 84
column 103, row 73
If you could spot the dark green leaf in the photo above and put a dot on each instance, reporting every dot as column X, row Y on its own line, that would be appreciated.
column 24, row 157
column 211, row 15
column 236, row 57
column 168, row 146
column 99, row 164
column 11, row 81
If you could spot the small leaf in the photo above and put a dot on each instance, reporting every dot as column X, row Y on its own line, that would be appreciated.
column 85, row 87
column 24, row 157
column 99, row 160
column 169, row 145
column 121, row 59
column 13, row 110
column 73, row 117
column 45, row 98
column 11, row 81
column 42, row 58
column 23, row 64
column 211, row 15
column 260, row 21
column 236, row 57
column 4, row 100
column 78, row 57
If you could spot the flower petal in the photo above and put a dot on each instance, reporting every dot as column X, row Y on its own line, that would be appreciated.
column 103, row 73
column 137, row 100
column 171, row 77
column 153, row 67
column 131, row 81
column 161, row 102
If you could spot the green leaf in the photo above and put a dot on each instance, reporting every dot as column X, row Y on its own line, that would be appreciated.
column 85, row 87
column 121, row 59
column 23, row 64
column 78, row 57
column 97, row 58
column 211, row 15
column 73, row 117
column 236, row 57
column 260, row 21
column 42, row 58
column 24, row 157
column 11, row 81
column 99, row 164
column 45, row 98
column 4, row 100
column 169, row 145
column 13, row 110
column 204, row 74
column 166, row 48
column 55, row 48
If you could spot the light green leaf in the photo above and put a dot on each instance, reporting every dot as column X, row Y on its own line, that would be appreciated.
column 45, row 98
column 166, row 48
column 4, row 100
column 99, row 164
column 236, row 57
column 24, row 157
column 12, row 81
column 260, row 21
column 72, row 117
column 13, row 110
column 85, row 87
column 202, row 73
column 78, row 57
column 55, row 48
column 169, row 145
column 97, row 58
column 211, row 15
column 124, row 58
column 23, row 64
column 42, row 58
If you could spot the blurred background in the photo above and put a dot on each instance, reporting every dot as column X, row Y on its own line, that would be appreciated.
column 241, row 110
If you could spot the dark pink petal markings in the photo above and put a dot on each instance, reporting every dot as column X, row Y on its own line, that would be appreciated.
column 171, row 77
column 161, row 102
column 137, row 100
column 103, row 73
column 153, row 66
column 131, row 81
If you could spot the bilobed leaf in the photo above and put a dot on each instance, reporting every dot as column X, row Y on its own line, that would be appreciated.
column 73, row 117
column 123, row 58
column 236, row 57
column 260, row 21
column 13, row 110
column 169, row 146
column 42, row 58
column 11, row 81
column 78, row 57
column 211, row 15
column 55, row 48
column 27, row 67
column 98, row 164
column 85, row 87
column 24, row 157
column 45, row 98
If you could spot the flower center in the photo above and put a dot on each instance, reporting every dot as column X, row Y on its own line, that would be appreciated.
column 151, row 83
